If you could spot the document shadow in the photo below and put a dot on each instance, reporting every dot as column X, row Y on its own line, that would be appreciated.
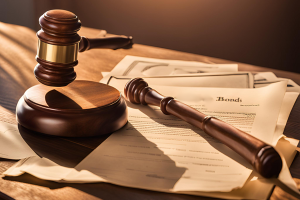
column 223, row 149
column 67, row 152
column 138, row 163
column 133, row 161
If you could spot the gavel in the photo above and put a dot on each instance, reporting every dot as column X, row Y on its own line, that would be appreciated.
column 263, row 157
column 85, row 108
column 59, row 43
column 72, row 108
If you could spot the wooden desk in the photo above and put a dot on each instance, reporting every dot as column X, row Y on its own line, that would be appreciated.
column 17, row 60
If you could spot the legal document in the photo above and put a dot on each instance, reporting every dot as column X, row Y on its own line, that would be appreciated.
column 202, row 74
column 220, row 80
column 142, row 66
column 263, row 79
column 12, row 145
column 158, row 152
column 168, row 154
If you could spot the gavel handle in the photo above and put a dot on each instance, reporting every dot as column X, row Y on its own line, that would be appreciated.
column 105, row 43
column 263, row 157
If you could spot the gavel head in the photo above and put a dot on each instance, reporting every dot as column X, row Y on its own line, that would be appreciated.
column 57, row 48
column 135, row 90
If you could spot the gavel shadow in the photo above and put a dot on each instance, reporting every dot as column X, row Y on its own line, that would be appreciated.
column 65, row 151
column 64, row 101
column 58, row 149
column 156, row 114
column 69, row 152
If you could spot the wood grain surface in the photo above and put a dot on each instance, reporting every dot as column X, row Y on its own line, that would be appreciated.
column 17, row 61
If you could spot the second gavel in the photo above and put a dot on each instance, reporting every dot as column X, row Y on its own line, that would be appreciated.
column 263, row 157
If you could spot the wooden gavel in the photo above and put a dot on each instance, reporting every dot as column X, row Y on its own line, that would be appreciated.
column 82, row 108
column 59, row 44
column 263, row 157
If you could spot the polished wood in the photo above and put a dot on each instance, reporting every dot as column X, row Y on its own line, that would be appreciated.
column 77, row 95
column 263, row 157
column 18, row 50
column 59, row 30
column 58, row 27
column 81, row 109
column 106, row 43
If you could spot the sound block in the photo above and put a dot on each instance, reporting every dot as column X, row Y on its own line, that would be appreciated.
column 81, row 109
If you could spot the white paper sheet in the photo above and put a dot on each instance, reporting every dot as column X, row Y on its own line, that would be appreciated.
column 141, row 66
column 224, row 80
column 181, row 73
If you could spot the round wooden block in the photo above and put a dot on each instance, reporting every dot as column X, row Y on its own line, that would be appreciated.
column 81, row 109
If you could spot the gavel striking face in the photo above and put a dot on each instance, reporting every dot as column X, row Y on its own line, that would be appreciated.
column 59, row 44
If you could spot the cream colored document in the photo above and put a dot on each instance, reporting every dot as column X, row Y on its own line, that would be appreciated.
column 263, row 79
column 182, row 73
column 142, row 66
column 265, row 76
column 159, row 152
column 223, row 80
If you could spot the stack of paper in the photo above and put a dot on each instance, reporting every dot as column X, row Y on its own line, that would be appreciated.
column 159, row 152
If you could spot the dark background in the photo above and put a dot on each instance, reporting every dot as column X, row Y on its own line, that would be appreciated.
column 264, row 33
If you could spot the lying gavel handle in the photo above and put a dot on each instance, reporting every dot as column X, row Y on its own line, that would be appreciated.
column 105, row 43
column 263, row 157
